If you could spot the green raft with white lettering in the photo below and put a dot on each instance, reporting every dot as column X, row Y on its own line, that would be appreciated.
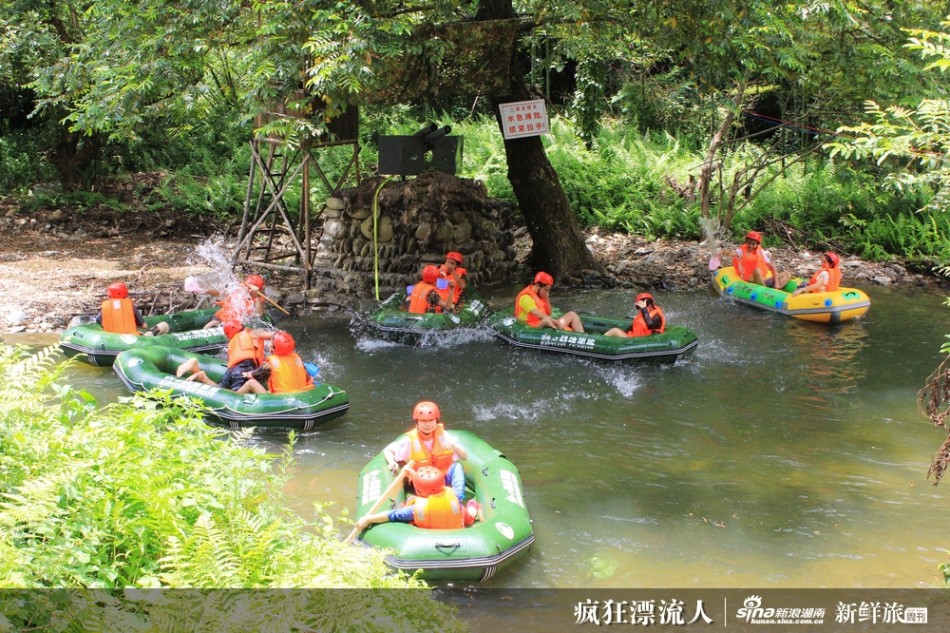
column 391, row 322
column 153, row 367
column 675, row 342
column 89, row 343
column 502, row 533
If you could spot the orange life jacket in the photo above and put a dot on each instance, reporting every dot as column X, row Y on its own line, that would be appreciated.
column 118, row 316
column 527, row 317
column 749, row 261
column 639, row 327
column 287, row 373
column 243, row 346
column 441, row 511
column 439, row 456
column 419, row 300
column 456, row 292
column 834, row 278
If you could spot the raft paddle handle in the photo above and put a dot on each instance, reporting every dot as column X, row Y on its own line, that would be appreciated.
column 388, row 492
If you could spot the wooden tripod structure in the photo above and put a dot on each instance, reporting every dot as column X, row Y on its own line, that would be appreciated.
column 279, row 168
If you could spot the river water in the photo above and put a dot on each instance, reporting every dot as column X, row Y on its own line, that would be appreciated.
column 780, row 454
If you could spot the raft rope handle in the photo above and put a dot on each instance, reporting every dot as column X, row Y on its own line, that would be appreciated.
column 449, row 546
column 376, row 233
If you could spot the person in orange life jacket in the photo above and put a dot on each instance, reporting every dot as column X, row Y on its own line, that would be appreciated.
column 456, row 276
column 425, row 296
column 119, row 315
column 429, row 444
column 828, row 279
column 754, row 264
column 287, row 371
column 649, row 319
column 533, row 306
column 434, row 506
column 245, row 301
column 245, row 357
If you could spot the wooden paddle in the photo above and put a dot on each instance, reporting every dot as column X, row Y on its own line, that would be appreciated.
column 268, row 299
column 379, row 502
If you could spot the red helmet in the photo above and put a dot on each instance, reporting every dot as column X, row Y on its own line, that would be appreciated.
column 454, row 255
column 118, row 290
column 833, row 258
column 646, row 296
column 430, row 274
column 426, row 411
column 255, row 280
column 754, row 235
column 232, row 327
column 283, row 343
column 428, row 480
column 544, row 278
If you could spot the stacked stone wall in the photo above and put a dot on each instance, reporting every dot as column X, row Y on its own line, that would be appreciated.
column 417, row 221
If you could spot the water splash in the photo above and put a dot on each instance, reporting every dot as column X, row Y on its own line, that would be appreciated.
column 214, row 257
column 712, row 230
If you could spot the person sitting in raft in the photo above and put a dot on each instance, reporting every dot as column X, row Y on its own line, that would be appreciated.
column 828, row 279
column 433, row 507
column 455, row 275
column 533, row 306
column 287, row 371
column 429, row 444
column 119, row 315
column 245, row 301
column 245, row 357
column 754, row 264
column 425, row 297
column 649, row 319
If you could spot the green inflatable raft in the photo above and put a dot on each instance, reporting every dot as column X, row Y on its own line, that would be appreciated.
column 391, row 322
column 89, row 343
column 502, row 534
column 675, row 342
column 153, row 367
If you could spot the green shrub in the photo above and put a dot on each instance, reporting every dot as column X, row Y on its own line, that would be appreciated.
column 144, row 494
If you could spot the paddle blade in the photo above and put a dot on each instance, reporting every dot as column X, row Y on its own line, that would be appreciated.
column 312, row 369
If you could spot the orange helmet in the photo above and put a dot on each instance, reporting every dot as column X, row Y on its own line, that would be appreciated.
column 833, row 258
column 754, row 235
column 426, row 411
column 117, row 290
column 454, row 255
column 428, row 480
column 255, row 280
column 430, row 274
column 646, row 296
column 232, row 327
column 283, row 343
column 544, row 278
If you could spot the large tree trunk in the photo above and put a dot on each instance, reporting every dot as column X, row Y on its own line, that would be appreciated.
column 559, row 246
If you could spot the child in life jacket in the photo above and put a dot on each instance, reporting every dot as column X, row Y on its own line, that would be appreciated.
column 455, row 276
column 425, row 296
column 533, row 306
column 827, row 279
column 433, row 507
column 429, row 444
column 648, row 320
column 245, row 357
column 118, row 314
column 287, row 370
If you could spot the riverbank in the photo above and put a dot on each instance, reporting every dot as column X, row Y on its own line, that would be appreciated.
column 54, row 266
